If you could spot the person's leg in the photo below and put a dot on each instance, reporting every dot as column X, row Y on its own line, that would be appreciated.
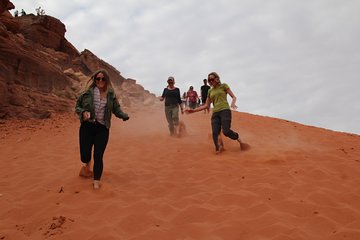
column 226, row 125
column 216, row 128
column 175, row 118
column 100, row 142
column 203, row 101
column 168, row 114
column 86, row 141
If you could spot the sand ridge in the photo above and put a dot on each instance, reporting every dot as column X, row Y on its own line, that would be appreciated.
column 296, row 182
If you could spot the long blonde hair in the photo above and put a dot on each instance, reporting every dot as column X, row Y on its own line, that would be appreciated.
column 91, row 82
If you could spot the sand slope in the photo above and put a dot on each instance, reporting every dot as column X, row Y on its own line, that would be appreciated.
column 296, row 182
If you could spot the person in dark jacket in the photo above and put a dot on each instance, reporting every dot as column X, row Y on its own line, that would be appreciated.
column 204, row 92
column 171, row 95
column 95, row 107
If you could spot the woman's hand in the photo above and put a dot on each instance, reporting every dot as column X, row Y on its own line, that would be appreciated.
column 233, row 106
column 86, row 116
column 188, row 111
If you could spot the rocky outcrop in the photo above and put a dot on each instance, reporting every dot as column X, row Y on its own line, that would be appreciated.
column 5, row 5
column 93, row 63
column 30, row 72
column 131, row 94
column 46, row 31
column 41, row 72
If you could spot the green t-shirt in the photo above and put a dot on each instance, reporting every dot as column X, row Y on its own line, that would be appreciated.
column 218, row 97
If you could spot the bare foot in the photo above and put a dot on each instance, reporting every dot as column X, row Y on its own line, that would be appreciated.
column 220, row 150
column 182, row 129
column 221, row 145
column 96, row 184
column 243, row 146
column 85, row 172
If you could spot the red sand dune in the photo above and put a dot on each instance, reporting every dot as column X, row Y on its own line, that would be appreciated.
column 296, row 182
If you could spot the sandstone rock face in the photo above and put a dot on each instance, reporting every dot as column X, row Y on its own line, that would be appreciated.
column 47, row 31
column 5, row 5
column 129, row 92
column 93, row 63
column 41, row 72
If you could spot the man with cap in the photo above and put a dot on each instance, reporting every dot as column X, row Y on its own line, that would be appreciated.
column 171, row 95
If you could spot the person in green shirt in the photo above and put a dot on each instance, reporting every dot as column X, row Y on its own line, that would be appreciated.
column 221, row 113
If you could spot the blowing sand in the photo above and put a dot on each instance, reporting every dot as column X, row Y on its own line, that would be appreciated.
column 296, row 182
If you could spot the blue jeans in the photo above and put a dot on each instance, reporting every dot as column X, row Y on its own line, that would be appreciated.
column 222, row 120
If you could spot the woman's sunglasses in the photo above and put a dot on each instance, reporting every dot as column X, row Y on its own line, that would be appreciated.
column 100, row 79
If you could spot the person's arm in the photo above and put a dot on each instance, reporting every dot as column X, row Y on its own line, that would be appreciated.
column 78, row 107
column 180, row 101
column 233, row 102
column 202, row 107
column 81, row 112
column 163, row 95
column 116, row 109
column 182, row 109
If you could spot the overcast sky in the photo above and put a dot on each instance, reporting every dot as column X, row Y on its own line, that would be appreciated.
column 292, row 59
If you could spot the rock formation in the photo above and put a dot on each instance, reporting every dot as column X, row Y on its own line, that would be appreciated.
column 41, row 72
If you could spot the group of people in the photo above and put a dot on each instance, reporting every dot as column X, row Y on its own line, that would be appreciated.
column 216, row 94
column 16, row 13
column 191, row 98
column 39, row 12
column 98, row 102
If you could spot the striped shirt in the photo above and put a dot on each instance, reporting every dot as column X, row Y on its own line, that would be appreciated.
column 99, row 105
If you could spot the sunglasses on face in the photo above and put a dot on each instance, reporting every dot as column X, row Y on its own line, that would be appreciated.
column 100, row 79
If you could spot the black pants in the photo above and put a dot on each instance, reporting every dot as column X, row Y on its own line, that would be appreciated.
column 97, row 135
column 203, row 100
column 222, row 120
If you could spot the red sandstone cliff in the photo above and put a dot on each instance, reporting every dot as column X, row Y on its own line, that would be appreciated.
column 41, row 72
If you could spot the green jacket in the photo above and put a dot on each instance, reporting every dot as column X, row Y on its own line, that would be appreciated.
column 85, row 102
